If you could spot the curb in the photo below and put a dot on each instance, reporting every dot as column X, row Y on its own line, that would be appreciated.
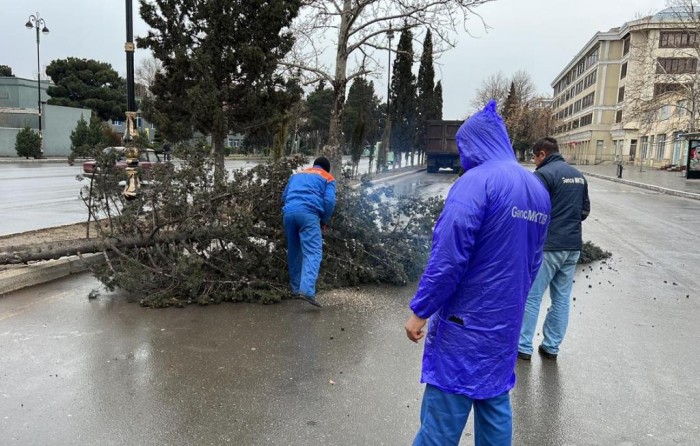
column 12, row 160
column 663, row 190
column 392, row 177
column 25, row 276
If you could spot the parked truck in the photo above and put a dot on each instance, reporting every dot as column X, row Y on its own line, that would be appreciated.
column 441, row 146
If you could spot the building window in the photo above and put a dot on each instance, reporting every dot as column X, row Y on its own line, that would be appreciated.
column 592, row 57
column 621, row 94
column 682, row 108
column 660, row 146
column 644, row 146
column 676, row 65
column 626, row 46
column 590, row 79
column 586, row 120
column 623, row 70
column 618, row 117
column 677, row 39
column 664, row 112
column 587, row 101
column 577, row 106
column 663, row 88
column 579, row 87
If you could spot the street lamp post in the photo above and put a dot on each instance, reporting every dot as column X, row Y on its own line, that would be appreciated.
column 389, row 36
column 386, row 137
column 133, row 183
column 36, row 22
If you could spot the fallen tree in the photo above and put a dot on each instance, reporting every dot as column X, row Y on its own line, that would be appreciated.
column 190, row 239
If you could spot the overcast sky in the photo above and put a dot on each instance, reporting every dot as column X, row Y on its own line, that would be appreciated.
column 539, row 36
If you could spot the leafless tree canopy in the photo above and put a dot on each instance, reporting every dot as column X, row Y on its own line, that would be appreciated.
column 146, row 71
column 496, row 86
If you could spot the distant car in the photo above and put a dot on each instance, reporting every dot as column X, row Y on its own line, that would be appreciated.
column 147, row 159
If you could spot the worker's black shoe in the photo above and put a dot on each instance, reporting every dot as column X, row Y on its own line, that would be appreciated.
column 311, row 300
column 524, row 356
column 546, row 354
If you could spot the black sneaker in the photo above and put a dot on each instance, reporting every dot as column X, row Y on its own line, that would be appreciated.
column 524, row 356
column 308, row 299
column 546, row 354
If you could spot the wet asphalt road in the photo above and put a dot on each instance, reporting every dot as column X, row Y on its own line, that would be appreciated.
column 39, row 195
column 106, row 371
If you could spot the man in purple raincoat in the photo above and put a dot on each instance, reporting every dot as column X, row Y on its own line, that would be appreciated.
column 487, row 248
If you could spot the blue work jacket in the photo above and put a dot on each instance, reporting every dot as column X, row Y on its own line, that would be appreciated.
column 487, row 249
column 312, row 191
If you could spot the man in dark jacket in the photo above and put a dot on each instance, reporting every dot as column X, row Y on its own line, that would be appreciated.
column 568, row 191
column 309, row 200
column 487, row 248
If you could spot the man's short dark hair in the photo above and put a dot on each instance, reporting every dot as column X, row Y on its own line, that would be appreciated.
column 323, row 163
column 547, row 145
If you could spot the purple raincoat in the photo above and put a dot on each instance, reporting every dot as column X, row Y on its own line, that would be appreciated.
column 487, row 248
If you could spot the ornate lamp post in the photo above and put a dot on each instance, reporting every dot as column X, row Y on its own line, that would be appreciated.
column 389, row 36
column 36, row 22
column 386, row 137
column 133, row 183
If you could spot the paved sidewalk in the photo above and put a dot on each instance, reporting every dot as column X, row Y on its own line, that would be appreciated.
column 671, row 183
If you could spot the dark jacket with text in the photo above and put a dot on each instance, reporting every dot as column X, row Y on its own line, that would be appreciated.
column 568, row 192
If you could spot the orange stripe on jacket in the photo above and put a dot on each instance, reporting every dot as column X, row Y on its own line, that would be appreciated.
column 321, row 172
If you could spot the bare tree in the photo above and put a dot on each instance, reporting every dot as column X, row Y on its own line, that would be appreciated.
column 146, row 71
column 496, row 86
column 356, row 30
column 524, row 86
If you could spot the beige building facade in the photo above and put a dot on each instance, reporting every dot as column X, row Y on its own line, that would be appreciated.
column 625, row 97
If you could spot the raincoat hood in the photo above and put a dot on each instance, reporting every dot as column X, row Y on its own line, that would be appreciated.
column 483, row 137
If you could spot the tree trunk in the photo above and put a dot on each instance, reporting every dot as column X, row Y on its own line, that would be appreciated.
column 383, row 147
column 14, row 255
column 217, row 152
column 335, row 133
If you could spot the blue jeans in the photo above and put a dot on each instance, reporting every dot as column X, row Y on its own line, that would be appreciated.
column 443, row 417
column 557, row 273
column 304, row 251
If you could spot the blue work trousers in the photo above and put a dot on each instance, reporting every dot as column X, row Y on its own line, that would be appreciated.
column 557, row 273
column 443, row 417
column 304, row 251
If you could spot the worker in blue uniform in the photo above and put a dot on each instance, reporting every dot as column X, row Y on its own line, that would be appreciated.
column 309, row 200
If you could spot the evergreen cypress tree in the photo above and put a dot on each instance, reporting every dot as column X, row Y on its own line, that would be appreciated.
column 426, row 100
column 437, row 101
column 510, row 105
column 360, row 123
column 403, row 97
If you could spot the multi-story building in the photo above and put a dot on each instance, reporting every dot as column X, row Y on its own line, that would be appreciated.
column 625, row 96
